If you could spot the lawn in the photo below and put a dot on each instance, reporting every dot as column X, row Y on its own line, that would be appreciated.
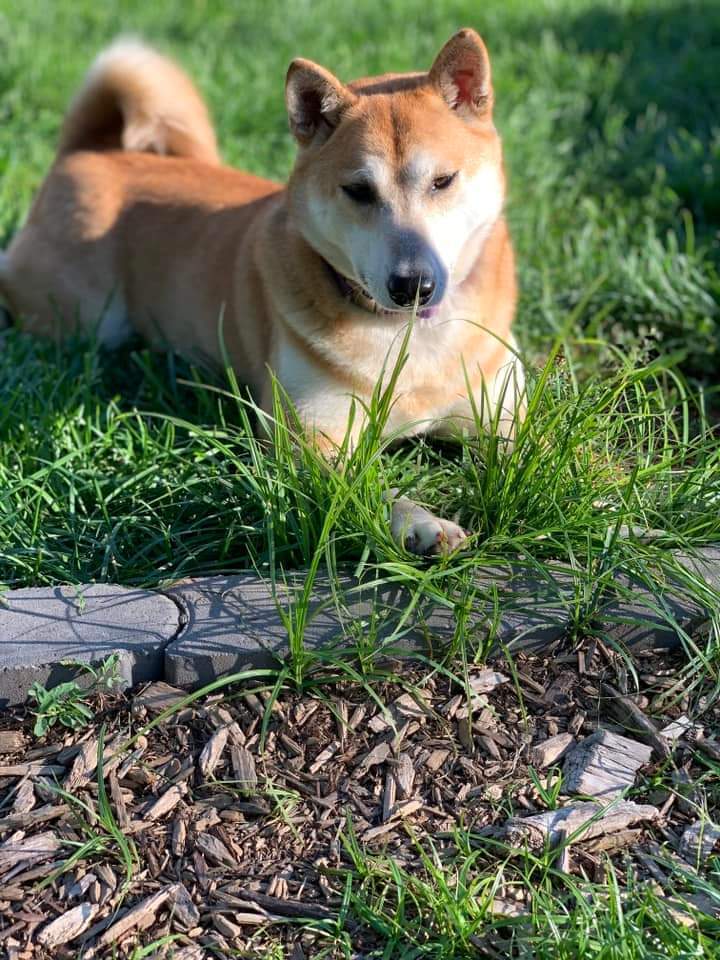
column 135, row 468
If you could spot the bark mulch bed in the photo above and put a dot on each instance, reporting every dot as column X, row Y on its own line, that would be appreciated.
column 238, row 816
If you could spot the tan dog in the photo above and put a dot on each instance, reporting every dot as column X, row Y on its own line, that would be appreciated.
column 394, row 208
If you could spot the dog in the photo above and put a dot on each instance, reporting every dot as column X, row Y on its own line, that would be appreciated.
column 393, row 214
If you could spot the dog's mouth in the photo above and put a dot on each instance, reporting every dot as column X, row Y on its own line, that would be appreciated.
column 358, row 295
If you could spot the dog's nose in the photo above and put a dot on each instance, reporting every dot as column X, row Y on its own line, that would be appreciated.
column 405, row 289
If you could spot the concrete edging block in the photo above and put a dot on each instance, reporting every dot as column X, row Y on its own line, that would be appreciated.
column 234, row 622
column 42, row 626
column 643, row 618
column 200, row 629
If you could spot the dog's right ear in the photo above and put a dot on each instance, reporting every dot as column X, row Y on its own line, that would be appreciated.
column 315, row 101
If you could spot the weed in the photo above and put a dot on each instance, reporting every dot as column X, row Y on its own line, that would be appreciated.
column 67, row 703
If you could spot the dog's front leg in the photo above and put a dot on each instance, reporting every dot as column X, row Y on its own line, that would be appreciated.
column 420, row 531
column 412, row 526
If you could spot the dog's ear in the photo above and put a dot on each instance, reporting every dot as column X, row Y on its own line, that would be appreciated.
column 315, row 101
column 461, row 74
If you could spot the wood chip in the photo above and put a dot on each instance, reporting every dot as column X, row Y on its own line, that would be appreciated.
column 139, row 917
column 193, row 952
column 212, row 751
column 379, row 723
column 603, row 765
column 357, row 716
column 325, row 755
column 183, row 908
column 389, row 795
column 179, row 837
column 256, row 705
column 503, row 907
column 679, row 728
column 486, row 680
column 597, row 820
column 80, row 888
column 166, row 802
column 24, row 798
column 477, row 702
column 710, row 747
column 67, row 926
column 548, row 752
column 379, row 754
column 400, row 811
column 34, row 817
column 215, row 850
column 231, row 930
column 106, row 875
column 11, row 741
column 278, row 886
column 132, row 758
column 410, row 708
column 698, row 842
column 282, row 907
column 292, row 746
column 464, row 733
column 119, row 801
column 436, row 759
column 159, row 696
column 28, row 850
column 634, row 720
column 407, row 808
column 404, row 773
column 611, row 842
column 33, row 768
column 560, row 691
column 489, row 746
column 244, row 771
column 84, row 764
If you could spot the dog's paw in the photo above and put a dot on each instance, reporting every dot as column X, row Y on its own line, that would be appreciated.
column 421, row 532
column 434, row 537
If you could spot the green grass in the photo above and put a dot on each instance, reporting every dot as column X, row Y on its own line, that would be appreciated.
column 134, row 468
column 112, row 469
column 443, row 909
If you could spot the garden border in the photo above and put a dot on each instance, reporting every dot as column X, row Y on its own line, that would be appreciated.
column 196, row 630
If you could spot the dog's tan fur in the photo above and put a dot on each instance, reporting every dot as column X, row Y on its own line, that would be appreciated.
column 139, row 227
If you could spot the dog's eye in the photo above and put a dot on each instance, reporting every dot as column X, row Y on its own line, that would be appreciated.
column 359, row 192
column 442, row 183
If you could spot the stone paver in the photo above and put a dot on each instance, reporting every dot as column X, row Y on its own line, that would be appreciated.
column 642, row 618
column 235, row 622
column 198, row 630
column 42, row 626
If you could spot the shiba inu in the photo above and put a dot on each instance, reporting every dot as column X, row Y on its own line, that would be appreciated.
column 393, row 214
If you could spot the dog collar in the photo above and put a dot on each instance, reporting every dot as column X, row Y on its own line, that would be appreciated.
column 347, row 287
column 357, row 295
column 352, row 291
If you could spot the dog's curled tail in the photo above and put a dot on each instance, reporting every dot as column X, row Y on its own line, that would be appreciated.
column 133, row 98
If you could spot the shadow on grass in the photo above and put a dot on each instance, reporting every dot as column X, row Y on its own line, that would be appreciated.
column 668, row 84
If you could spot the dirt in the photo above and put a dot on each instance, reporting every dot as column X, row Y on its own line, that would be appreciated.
column 239, row 806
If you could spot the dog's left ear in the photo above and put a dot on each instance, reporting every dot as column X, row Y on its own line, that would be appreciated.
column 461, row 74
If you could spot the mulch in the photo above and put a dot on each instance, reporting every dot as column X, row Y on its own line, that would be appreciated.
column 239, row 807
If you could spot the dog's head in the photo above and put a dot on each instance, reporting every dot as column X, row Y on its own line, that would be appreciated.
column 399, row 179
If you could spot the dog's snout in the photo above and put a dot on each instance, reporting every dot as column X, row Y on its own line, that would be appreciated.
column 407, row 289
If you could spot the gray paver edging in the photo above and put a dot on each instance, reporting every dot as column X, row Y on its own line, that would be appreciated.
column 42, row 626
column 641, row 618
column 199, row 629
column 234, row 621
